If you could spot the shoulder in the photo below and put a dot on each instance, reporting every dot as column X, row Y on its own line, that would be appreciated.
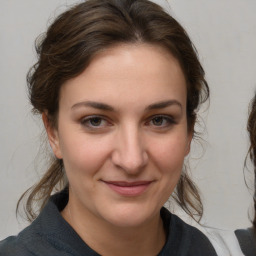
column 14, row 246
column 196, row 238
column 48, row 234
column 247, row 241
column 224, row 241
column 185, row 239
column 30, row 242
column 34, row 239
column 26, row 243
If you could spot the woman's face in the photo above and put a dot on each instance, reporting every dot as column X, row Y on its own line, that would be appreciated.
column 122, row 133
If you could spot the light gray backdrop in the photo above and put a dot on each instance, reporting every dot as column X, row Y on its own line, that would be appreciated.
column 224, row 32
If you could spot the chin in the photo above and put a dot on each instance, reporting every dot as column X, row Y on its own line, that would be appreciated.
column 130, row 216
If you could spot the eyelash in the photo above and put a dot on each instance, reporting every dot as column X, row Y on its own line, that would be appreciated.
column 168, row 121
column 87, row 122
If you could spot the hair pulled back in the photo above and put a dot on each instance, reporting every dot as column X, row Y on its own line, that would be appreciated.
column 72, row 41
column 251, row 128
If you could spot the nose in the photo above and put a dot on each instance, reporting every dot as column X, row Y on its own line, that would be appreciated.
column 130, row 153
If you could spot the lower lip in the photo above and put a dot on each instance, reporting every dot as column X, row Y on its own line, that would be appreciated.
column 129, row 190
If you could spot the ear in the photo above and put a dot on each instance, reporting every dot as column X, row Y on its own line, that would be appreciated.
column 189, row 139
column 53, row 136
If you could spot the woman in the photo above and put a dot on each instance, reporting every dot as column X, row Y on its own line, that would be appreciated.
column 118, row 84
column 247, row 237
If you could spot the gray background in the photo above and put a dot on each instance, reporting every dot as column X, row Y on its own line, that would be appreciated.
column 224, row 32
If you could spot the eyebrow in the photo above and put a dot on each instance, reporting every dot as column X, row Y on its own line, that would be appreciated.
column 164, row 104
column 103, row 106
column 93, row 104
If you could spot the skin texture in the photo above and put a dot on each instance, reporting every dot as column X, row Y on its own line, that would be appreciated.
column 122, row 134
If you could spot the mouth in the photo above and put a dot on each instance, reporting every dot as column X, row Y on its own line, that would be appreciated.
column 125, row 188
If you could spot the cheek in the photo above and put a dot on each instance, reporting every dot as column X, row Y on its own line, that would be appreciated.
column 83, row 155
column 168, row 157
column 169, row 154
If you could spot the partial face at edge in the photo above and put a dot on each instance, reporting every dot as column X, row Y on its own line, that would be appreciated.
column 122, row 133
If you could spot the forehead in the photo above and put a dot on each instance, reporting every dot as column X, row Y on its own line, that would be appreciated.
column 132, row 73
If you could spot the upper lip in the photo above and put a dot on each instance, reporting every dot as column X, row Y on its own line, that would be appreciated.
column 128, row 184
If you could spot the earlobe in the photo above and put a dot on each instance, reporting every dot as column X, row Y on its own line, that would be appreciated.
column 190, row 136
column 52, row 135
column 188, row 149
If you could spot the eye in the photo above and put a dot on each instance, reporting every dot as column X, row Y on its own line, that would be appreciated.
column 158, row 121
column 94, row 122
column 161, row 121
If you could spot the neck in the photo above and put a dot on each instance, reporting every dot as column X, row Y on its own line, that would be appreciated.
column 106, row 239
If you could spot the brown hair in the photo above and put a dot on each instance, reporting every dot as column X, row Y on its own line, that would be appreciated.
column 251, row 127
column 73, row 40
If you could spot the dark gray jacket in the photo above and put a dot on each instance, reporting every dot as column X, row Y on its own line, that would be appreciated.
column 247, row 241
column 51, row 235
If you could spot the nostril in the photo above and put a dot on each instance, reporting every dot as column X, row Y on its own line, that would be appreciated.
column 130, row 161
column 129, row 152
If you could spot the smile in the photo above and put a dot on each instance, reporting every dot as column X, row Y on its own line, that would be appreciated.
column 128, row 188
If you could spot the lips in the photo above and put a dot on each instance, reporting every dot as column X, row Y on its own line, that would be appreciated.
column 125, row 188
